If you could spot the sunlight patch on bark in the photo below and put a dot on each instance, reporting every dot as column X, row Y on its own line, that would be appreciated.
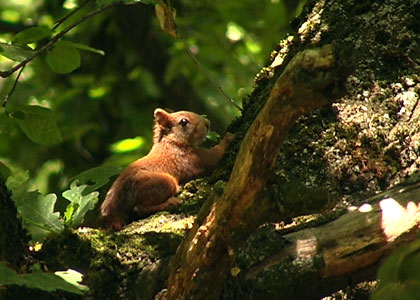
column 396, row 219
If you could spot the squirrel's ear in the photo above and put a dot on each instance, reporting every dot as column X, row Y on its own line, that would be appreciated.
column 161, row 117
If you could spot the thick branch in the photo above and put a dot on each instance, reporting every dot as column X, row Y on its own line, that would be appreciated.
column 209, row 249
column 345, row 251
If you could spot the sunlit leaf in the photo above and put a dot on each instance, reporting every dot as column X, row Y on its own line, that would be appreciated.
column 32, row 35
column 81, row 203
column 37, row 212
column 97, row 177
column 73, row 277
column 66, row 280
column 212, row 136
column 234, row 32
column 15, row 52
column 63, row 58
column 83, row 47
column 17, row 179
column 98, row 92
column 38, row 124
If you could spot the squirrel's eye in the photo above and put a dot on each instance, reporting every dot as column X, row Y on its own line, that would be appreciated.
column 184, row 122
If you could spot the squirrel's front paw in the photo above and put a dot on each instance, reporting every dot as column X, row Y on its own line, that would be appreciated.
column 228, row 139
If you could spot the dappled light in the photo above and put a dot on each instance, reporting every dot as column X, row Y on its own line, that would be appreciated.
column 309, row 177
column 127, row 145
column 364, row 208
column 397, row 219
column 306, row 249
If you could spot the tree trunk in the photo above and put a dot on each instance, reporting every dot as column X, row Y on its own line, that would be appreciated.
column 366, row 142
column 203, row 260
column 209, row 249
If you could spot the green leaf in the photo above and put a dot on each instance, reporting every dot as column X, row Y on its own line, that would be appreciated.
column 68, row 214
column 63, row 58
column 65, row 280
column 18, row 178
column 83, row 47
column 7, row 275
column 37, row 212
column 386, row 292
column 38, row 124
column 213, row 136
column 97, row 177
column 80, row 203
column 390, row 271
column 409, row 269
column 15, row 52
column 32, row 35
column 73, row 277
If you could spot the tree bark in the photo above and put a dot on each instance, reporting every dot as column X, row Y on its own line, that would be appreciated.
column 365, row 143
column 330, row 256
column 204, row 258
column 209, row 248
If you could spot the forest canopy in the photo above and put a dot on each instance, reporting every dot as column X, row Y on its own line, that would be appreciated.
column 87, row 100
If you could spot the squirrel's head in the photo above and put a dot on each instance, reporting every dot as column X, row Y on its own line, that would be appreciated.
column 181, row 127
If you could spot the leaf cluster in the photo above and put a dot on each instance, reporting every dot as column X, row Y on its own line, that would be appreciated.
column 62, row 280
column 399, row 275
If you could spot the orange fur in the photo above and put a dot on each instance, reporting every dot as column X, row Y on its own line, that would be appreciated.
column 149, row 184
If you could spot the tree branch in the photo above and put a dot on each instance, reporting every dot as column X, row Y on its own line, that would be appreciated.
column 208, row 251
column 347, row 250
column 54, row 39
column 13, row 88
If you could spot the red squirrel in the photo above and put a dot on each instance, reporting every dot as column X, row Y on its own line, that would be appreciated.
column 149, row 184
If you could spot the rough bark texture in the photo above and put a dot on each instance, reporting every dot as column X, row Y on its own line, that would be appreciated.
column 13, row 239
column 365, row 143
column 362, row 147
column 333, row 255
column 209, row 248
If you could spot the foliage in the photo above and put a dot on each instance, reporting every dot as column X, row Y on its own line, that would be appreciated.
column 38, row 124
column 399, row 275
column 37, row 210
column 67, row 112
column 62, row 280
column 100, row 113
column 79, row 205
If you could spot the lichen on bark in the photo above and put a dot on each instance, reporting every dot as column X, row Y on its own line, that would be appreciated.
column 368, row 141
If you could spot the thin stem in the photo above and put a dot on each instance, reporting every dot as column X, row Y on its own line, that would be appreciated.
column 13, row 88
column 62, row 20
column 200, row 66
column 55, row 38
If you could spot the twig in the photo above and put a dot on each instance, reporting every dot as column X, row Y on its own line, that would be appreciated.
column 59, row 35
column 195, row 60
column 200, row 66
column 62, row 20
column 13, row 88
